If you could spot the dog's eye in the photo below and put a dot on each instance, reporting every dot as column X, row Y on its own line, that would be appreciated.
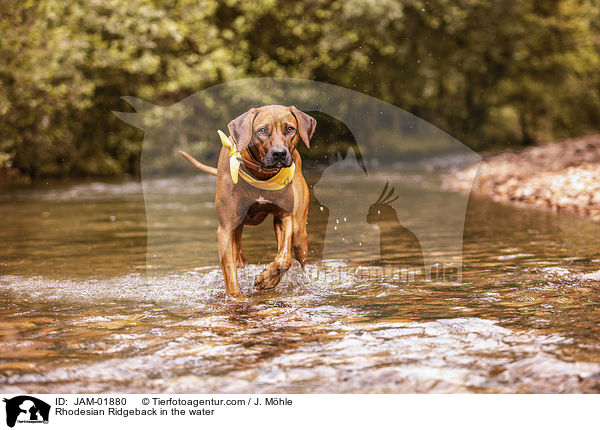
column 289, row 129
column 262, row 130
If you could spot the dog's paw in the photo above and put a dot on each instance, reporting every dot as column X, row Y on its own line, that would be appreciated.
column 267, row 279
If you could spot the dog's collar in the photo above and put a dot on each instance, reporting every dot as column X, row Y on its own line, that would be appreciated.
column 254, row 167
column 277, row 182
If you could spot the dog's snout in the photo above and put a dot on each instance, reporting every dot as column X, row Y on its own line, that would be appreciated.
column 278, row 156
column 279, row 153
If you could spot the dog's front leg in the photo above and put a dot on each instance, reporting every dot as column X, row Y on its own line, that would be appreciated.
column 271, row 276
column 228, row 255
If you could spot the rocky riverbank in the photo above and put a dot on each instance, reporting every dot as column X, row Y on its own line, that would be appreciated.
column 562, row 176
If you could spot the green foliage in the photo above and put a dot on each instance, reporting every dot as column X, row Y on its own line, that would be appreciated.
column 489, row 72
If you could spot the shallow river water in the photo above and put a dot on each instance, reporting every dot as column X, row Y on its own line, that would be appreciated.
column 83, row 310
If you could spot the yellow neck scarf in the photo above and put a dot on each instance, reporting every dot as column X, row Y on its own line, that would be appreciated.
column 277, row 182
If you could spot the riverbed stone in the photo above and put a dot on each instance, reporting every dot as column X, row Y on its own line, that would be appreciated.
column 563, row 177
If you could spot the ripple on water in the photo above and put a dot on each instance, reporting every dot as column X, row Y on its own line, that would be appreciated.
column 178, row 333
column 524, row 319
column 411, row 357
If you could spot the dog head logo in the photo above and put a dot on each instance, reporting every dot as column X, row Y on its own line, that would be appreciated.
column 26, row 409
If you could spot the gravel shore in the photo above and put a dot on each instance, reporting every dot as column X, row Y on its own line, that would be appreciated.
column 562, row 176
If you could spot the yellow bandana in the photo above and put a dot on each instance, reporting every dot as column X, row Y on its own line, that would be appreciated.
column 277, row 182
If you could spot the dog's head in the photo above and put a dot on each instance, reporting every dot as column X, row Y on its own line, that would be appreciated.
column 271, row 133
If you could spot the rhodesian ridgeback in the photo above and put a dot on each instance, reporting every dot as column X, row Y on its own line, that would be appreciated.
column 259, row 172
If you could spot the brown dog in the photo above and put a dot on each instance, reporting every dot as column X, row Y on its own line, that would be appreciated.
column 266, row 139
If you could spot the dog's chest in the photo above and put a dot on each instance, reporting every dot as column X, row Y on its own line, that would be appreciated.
column 274, row 200
column 261, row 200
column 270, row 203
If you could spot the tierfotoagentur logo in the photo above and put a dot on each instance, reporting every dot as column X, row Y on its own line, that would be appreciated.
column 26, row 409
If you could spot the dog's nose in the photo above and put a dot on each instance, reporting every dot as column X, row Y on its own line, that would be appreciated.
column 279, row 153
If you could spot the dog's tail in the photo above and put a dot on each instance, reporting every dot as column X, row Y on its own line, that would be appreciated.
column 198, row 165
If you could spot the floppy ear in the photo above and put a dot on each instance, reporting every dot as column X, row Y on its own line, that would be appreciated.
column 306, row 125
column 241, row 129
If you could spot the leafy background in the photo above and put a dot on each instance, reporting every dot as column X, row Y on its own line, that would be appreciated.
column 491, row 73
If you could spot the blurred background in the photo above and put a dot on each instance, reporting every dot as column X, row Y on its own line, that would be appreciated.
column 492, row 74
column 110, row 283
